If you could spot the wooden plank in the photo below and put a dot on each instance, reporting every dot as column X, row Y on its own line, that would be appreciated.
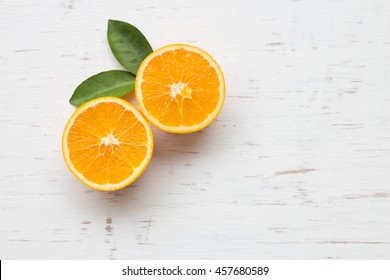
column 295, row 166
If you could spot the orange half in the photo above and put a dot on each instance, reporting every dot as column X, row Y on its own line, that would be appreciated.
column 107, row 143
column 180, row 88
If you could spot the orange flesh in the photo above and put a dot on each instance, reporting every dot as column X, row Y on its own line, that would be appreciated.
column 180, row 87
column 106, row 143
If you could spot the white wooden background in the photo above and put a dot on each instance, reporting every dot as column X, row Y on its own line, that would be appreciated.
column 296, row 165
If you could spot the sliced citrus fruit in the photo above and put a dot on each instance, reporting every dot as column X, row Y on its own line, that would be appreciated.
column 107, row 143
column 180, row 88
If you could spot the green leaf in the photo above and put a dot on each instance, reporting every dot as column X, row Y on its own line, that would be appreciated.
column 111, row 83
column 128, row 44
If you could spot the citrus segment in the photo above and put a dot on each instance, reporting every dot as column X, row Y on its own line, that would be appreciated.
column 180, row 88
column 107, row 143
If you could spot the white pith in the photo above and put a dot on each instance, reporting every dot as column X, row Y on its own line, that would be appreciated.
column 109, row 140
column 177, row 89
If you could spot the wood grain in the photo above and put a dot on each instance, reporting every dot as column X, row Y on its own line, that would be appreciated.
column 295, row 167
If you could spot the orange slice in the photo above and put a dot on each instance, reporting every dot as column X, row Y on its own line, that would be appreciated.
column 107, row 143
column 180, row 88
